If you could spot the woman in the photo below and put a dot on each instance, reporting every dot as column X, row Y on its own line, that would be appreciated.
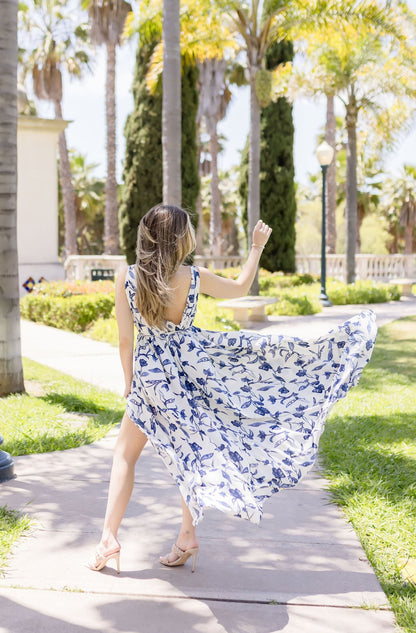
column 235, row 416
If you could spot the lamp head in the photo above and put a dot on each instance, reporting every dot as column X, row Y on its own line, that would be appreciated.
column 325, row 154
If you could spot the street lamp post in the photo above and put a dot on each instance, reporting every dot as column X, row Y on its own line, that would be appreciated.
column 325, row 154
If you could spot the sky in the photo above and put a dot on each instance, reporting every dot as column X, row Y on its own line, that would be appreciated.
column 83, row 106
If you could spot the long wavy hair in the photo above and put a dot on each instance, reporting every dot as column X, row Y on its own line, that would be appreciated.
column 165, row 238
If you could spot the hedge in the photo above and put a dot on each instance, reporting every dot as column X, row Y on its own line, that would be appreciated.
column 75, row 313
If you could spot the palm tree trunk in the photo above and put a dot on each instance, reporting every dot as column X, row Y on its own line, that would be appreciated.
column 253, row 203
column 351, row 190
column 11, row 372
column 111, row 232
column 171, row 104
column 360, row 219
column 331, row 184
column 215, row 232
column 408, row 238
column 68, row 193
column 199, row 209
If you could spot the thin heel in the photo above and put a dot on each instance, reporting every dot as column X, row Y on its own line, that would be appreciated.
column 117, row 557
column 194, row 555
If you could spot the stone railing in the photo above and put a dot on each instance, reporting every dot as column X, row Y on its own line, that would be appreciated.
column 219, row 262
column 375, row 267
column 83, row 266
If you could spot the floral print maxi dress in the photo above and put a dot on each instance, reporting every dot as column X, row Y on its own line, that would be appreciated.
column 236, row 416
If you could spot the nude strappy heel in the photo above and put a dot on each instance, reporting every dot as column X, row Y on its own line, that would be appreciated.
column 182, row 557
column 100, row 561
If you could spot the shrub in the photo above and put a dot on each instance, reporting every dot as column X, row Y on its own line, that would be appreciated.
column 295, row 302
column 72, row 288
column 73, row 312
column 361, row 292
column 104, row 330
column 271, row 282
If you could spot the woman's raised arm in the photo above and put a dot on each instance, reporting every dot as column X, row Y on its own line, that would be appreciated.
column 221, row 288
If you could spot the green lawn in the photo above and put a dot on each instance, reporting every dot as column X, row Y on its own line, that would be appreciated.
column 369, row 451
column 56, row 413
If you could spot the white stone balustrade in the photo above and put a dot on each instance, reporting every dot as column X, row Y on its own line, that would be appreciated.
column 375, row 267
column 78, row 267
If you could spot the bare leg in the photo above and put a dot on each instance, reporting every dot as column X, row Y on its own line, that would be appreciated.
column 187, row 534
column 130, row 444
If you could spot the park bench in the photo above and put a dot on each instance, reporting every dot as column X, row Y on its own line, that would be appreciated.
column 247, row 309
column 405, row 284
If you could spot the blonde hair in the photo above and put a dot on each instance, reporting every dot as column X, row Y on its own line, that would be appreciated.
column 165, row 238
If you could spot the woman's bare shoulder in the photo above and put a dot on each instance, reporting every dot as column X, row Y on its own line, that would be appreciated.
column 121, row 275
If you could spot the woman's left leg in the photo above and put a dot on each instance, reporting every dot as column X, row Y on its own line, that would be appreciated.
column 129, row 445
column 186, row 540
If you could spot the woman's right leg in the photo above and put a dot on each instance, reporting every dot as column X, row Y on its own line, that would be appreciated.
column 129, row 445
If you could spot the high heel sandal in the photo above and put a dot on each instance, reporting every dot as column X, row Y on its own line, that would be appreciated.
column 100, row 560
column 182, row 557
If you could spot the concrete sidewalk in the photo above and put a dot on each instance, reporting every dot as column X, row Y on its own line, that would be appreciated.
column 302, row 571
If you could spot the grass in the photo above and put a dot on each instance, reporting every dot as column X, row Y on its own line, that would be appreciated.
column 12, row 525
column 56, row 413
column 369, row 453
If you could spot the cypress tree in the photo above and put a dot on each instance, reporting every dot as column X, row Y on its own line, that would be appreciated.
column 277, row 186
column 190, row 176
column 143, row 171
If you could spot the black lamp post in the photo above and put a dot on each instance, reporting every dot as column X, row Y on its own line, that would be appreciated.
column 325, row 154
column 6, row 465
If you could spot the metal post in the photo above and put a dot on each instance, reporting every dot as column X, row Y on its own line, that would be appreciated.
column 6, row 465
column 323, row 297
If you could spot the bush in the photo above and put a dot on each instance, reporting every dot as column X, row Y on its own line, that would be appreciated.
column 73, row 312
column 72, row 288
column 271, row 282
column 298, row 301
column 361, row 292
column 104, row 330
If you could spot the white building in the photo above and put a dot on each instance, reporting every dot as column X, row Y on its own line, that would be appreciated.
column 37, row 199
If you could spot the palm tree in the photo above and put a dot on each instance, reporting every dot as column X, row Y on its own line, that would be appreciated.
column 171, row 104
column 257, row 26
column 214, row 97
column 362, row 67
column 204, row 38
column 11, row 373
column 89, row 203
column 400, row 204
column 107, row 19
column 331, row 176
column 55, row 41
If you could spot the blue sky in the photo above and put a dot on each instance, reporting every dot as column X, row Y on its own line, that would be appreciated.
column 83, row 105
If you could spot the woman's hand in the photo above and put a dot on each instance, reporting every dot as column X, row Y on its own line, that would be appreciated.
column 261, row 234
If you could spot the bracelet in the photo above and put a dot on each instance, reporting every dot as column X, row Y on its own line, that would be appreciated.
column 257, row 246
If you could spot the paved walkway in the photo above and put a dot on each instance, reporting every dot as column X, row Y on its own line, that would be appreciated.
column 302, row 571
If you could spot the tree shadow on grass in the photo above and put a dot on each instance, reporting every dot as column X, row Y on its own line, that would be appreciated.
column 74, row 403
column 64, row 435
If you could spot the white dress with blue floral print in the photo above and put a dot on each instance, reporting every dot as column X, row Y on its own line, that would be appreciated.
column 236, row 416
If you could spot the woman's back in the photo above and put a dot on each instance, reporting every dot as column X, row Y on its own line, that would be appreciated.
column 180, row 284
